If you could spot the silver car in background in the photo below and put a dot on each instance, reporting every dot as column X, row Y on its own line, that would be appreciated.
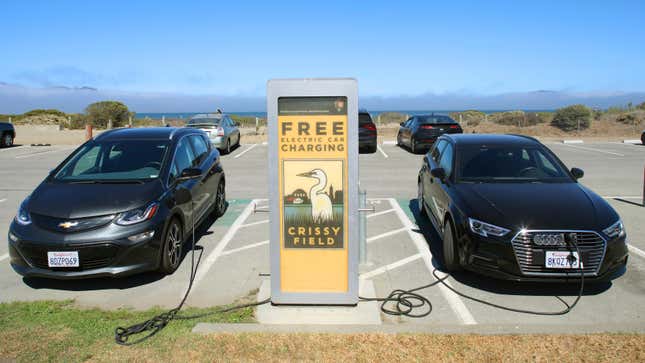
column 222, row 131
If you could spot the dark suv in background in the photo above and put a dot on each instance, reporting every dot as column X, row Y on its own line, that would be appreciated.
column 366, row 133
column 419, row 132
column 7, row 134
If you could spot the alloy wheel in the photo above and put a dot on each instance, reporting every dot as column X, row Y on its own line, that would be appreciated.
column 174, row 245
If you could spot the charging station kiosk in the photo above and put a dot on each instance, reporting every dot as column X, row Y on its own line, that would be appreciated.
column 313, row 190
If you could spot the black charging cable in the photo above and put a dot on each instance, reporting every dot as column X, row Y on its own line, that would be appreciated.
column 154, row 325
column 405, row 301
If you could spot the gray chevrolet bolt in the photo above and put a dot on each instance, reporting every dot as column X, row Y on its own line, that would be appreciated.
column 120, row 204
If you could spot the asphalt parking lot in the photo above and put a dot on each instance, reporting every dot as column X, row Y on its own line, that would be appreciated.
column 401, row 246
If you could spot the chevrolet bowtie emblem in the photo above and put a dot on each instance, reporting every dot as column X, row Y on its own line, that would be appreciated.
column 67, row 225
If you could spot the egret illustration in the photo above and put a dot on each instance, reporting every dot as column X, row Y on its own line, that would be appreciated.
column 321, row 206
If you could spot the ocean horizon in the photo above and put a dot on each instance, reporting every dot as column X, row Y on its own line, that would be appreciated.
column 263, row 114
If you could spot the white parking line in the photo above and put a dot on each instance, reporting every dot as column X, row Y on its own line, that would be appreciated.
column 254, row 223
column 39, row 153
column 14, row 148
column 381, row 150
column 637, row 251
column 622, row 197
column 392, row 266
column 3, row 200
column 252, row 245
column 592, row 149
column 386, row 234
column 245, row 151
column 4, row 256
column 456, row 304
column 217, row 252
column 380, row 213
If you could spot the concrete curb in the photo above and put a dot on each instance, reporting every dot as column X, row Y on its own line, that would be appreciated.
column 389, row 142
column 632, row 141
column 572, row 141
column 485, row 329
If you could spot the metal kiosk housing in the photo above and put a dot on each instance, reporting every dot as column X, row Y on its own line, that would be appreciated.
column 314, row 88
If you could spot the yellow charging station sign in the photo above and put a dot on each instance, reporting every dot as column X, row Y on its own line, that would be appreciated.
column 313, row 180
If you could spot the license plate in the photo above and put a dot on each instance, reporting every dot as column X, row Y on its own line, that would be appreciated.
column 561, row 259
column 62, row 259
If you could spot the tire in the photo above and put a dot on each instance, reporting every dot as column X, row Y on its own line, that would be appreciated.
column 398, row 139
column 228, row 146
column 413, row 146
column 239, row 138
column 420, row 202
column 450, row 249
column 220, row 200
column 7, row 140
column 172, row 248
column 371, row 149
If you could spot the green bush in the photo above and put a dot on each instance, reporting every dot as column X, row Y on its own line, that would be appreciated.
column 469, row 117
column 247, row 121
column 40, row 112
column 571, row 118
column 99, row 113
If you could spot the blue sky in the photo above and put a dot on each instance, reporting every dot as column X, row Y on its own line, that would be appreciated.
column 394, row 48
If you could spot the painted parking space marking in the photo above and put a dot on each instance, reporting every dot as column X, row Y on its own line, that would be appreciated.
column 217, row 252
column 380, row 213
column 39, row 153
column 3, row 257
column 14, row 148
column 636, row 250
column 243, row 248
column 455, row 302
column 245, row 151
column 386, row 234
column 592, row 149
column 254, row 223
column 3, row 200
column 381, row 150
column 391, row 266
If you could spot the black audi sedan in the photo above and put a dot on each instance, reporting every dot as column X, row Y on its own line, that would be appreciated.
column 419, row 132
column 120, row 204
column 507, row 207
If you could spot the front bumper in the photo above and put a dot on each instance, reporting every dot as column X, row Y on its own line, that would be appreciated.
column 498, row 259
column 104, row 252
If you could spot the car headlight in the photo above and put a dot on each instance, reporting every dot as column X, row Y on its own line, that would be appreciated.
column 615, row 230
column 486, row 229
column 22, row 217
column 138, row 215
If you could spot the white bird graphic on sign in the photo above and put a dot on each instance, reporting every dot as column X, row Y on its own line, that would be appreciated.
column 321, row 207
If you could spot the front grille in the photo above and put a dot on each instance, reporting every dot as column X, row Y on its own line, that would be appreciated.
column 591, row 245
column 67, row 225
column 96, row 255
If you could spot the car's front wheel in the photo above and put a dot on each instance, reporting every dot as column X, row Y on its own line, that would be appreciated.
column 7, row 140
column 413, row 146
column 450, row 249
column 220, row 200
column 172, row 248
column 420, row 202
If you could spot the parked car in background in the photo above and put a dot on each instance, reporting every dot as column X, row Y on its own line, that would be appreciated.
column 507, row 207
column 222, row 131
column 419, row 132
column 120, row 204
column 7, row 134
column 643, row 138
column 366, row 133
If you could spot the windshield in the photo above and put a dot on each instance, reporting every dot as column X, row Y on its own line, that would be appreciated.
column 115, row 160
column 508, row 164
column 435, row 120
column 204, row 121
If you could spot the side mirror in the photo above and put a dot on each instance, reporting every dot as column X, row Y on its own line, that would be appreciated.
column 402, row 123
column 183, row 196
column 438, row 173
column 577, row 173
column 190, row 173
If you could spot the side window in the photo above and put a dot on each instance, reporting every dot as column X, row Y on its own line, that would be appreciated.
column 446, row 160
column 184, row 156
column 229, row 122
column 87, row 162
column 200, row 149
column 437, row 148
column 547, row 164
